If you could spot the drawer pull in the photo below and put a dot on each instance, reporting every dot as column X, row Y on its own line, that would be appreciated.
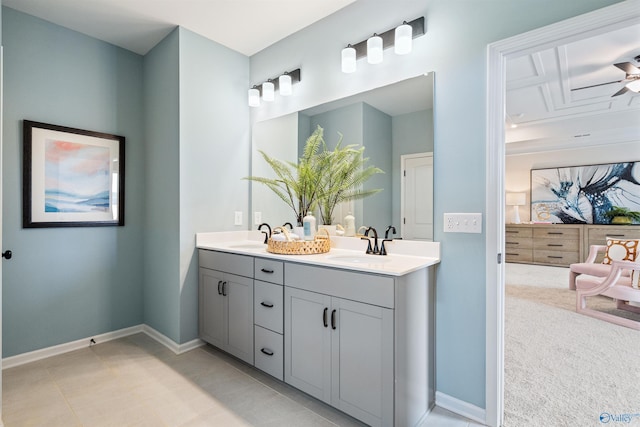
column 615, row 235
column 555, row 232
column 324, row 317
column 513, row 243
column 554, row 257
column 512, row 231
column 266, row 270
column 555, row 244
column 266, row 304
column 266, row 351
column 219, row 285
column 512, row 254
column 333, row 319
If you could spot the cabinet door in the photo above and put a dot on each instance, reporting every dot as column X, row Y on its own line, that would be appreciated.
column 307, row 342
column 362, row 361
column 213, row 308
column 238, row 293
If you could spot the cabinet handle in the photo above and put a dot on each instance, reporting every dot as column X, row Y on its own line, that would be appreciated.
column 512, row 254
column 266, row 270
column 513, row 243
column 266, row 351
column 616, row 235
column 266, row 304
column 324, row 317
column 554, row 257
column 224, row 289
column 555, row 244
column 555, row 232
column 219, row 284
column 333, row 319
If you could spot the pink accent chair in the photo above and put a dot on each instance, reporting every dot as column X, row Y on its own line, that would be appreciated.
column 590, row 267
column 613, row 286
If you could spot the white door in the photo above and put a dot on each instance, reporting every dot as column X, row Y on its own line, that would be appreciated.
column 417, row 196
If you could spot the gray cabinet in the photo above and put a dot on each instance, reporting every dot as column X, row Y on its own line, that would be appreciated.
column 226, row 303
column 341, row 352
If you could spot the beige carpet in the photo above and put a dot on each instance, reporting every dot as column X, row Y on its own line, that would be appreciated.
column 564, row 368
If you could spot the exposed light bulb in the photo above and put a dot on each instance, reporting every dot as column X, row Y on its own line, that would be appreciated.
column 403, row 39
column 374, row 49
column 268, row 91
column 254, row 97
column 284, row 84
column 348, row 59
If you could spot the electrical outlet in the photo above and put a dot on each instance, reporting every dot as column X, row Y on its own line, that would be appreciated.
column 257, row 218
column 463, row 223
column 238, row 218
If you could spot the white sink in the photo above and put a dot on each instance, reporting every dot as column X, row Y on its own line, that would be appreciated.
column 360, row 259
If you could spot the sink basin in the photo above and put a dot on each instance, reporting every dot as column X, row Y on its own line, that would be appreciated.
column 249, row 246
column 360, row 259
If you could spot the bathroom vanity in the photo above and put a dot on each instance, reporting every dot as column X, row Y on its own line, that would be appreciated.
column 353, row 330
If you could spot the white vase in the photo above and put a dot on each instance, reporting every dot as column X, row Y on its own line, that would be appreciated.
column 331, row 229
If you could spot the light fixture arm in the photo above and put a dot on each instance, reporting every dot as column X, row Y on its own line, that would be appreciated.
column 388, row 37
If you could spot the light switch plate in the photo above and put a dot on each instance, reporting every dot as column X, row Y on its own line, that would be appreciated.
column 257, row 218
column 463, row 223
column 238, row 218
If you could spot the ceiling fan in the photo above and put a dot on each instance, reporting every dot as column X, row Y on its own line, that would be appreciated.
column 632, row 78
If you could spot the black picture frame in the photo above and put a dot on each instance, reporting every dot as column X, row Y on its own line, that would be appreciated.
column 71, row 177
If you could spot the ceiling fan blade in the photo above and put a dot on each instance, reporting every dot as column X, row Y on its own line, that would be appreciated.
column 628, row 67
column 600, row 84
column 621, row 91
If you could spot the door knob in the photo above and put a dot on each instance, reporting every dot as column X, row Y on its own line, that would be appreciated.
column 7, row 254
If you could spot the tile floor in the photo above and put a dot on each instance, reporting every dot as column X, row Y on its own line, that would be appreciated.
column 135, row 381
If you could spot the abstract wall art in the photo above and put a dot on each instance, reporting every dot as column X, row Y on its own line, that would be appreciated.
column 71, row 177
column 583, row 194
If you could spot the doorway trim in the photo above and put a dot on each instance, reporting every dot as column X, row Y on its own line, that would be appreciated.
column 600, row 21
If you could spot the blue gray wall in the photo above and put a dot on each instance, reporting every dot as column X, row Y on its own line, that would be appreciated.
column 455, row 48
column 64, row 284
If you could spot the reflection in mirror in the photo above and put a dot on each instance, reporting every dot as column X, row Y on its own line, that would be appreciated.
column 395, row 125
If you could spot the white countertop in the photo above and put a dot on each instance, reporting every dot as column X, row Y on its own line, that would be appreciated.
column 348, row 253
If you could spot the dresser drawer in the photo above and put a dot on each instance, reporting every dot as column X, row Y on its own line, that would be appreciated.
column 240, row 265
column 269, row 270
column 268, row 301
column 599, row 235
column 518, row 242
column 518, row 255
column 269, row 352
column 556, row 245
column 555, row 257
column 511, row 231
column 556, row 233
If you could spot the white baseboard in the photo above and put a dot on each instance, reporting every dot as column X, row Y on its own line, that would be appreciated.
column 169, row 343
column 460, row 407
column 32, row 356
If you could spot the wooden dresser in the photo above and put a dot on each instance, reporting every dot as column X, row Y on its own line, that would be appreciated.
column 549, row 244
column 559, row 244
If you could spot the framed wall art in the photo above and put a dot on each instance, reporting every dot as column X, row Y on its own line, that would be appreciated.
column 71, row 177
column 584, row 194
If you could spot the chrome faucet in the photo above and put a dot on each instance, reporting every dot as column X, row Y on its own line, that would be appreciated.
column 266, row 234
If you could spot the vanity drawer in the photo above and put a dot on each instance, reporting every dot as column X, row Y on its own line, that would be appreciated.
column 269, row 270
column 362, row 287
column 269, row 352
column 268, row 300
column 240, row 265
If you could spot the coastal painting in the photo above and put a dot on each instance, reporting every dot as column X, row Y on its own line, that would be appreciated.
column 72, row 177
column 584, row 194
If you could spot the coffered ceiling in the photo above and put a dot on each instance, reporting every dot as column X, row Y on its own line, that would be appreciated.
column 542, row 100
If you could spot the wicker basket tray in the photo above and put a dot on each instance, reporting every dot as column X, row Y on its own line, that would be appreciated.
column 319, row 245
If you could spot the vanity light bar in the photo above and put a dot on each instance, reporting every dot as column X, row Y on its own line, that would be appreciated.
column 388, row 37
column 272, row 85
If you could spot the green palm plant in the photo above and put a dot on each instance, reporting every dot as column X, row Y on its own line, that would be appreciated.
column 297, row 184
column 343, row 172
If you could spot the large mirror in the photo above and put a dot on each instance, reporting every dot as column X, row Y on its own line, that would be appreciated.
column 395, row 125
